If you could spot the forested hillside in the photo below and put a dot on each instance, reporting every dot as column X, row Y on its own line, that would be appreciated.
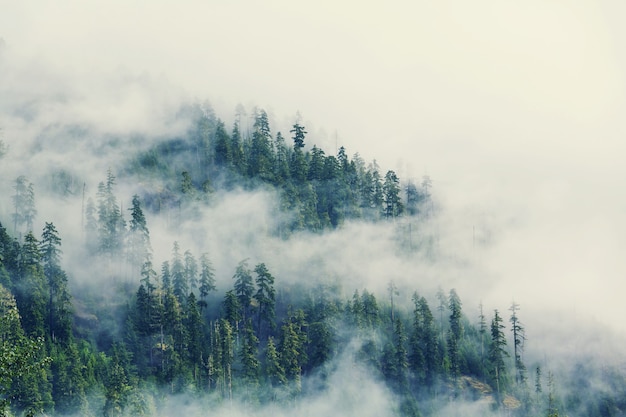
column 130, row 333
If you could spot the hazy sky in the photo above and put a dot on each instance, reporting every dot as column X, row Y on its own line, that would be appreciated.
column 515, row 109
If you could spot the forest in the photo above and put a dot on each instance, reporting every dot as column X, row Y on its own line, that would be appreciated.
column 142, row 335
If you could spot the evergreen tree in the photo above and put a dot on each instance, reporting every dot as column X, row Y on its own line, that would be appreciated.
column 24, row 204
column 91, row 227
column 518, row 345
column 138, row 241
column 111, row 224
column 180, row 282
column 482, row 331
column 223, row 153
column 391, row 196
column 273, row 368
column 20, row 357
column 194, row 333
column 207, row 279
column 261, row 157
column 250, row 365
column 292, row 348
column 236, row 150
column 316, row 164
column 265, row 296
column 423, row 358
column 244, row 287
column 299, row 167
column 455, row 333
column 497, row 353
column 281, row 168
column 166, row 276
column 226, row 343
column 191, row 270
column 59, row 300
column 32, row 292
column 356, row 311
column 395, row 357
column 371, row 312
column 232, row 309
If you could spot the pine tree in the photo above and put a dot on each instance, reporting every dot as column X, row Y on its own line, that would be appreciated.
column 232, row 308
column 265, row 296
column 371, row 312
column 273, row 368
column 191, row 270
column 455, row 333
column 292, row 348
column 194, row 334
column 223, row 153
column 207, row 279
column 32, row 292
column 401, row 356
column 111, row 224
column 497, row 353
column 281, row 168
column 518, row 345
column 261, row 157
column 299, row 167
column 24, row 204
column 166, row 276
column 250, row 365
column 226, row 342
column 391, row 196
column 59, row 300
column 423, row 357
column 138, row 240
column 20, row 357
column 180, row 282
column 91, row 227
column 244, row 287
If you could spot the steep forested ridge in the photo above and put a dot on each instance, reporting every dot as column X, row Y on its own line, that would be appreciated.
column 264, row 340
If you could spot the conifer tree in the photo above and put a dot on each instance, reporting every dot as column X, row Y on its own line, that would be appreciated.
column 226, row 342
column 424, row 346
column 207, row 279
column 24, row 204
column 194, row 334
column 138, row 240
column 59, row 300
column 111, row 223
column 273, row 368
column 166, row 276
column 497, row 353
column 180, row 282
column 223, row 153
column 20, row 356
column 455, row 333
column 281, row 168
column 32, row 292
column 265, row 296
column 191, row 270
column 250, row 365
column 244, row 287
column 261, row 157
column 391, row 196
column 299, row 167
column 232, row 309
column 518, row 345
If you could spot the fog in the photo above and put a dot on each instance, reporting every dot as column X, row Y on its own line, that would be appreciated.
column 514, row 110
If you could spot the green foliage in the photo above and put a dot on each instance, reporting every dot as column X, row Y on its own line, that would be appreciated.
column 265, row 296
column 166, row 333
column 21, row 360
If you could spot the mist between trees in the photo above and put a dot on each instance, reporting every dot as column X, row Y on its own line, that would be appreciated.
column 211, row 311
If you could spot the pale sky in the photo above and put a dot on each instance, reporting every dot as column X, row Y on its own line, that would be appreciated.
column 514, row 108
